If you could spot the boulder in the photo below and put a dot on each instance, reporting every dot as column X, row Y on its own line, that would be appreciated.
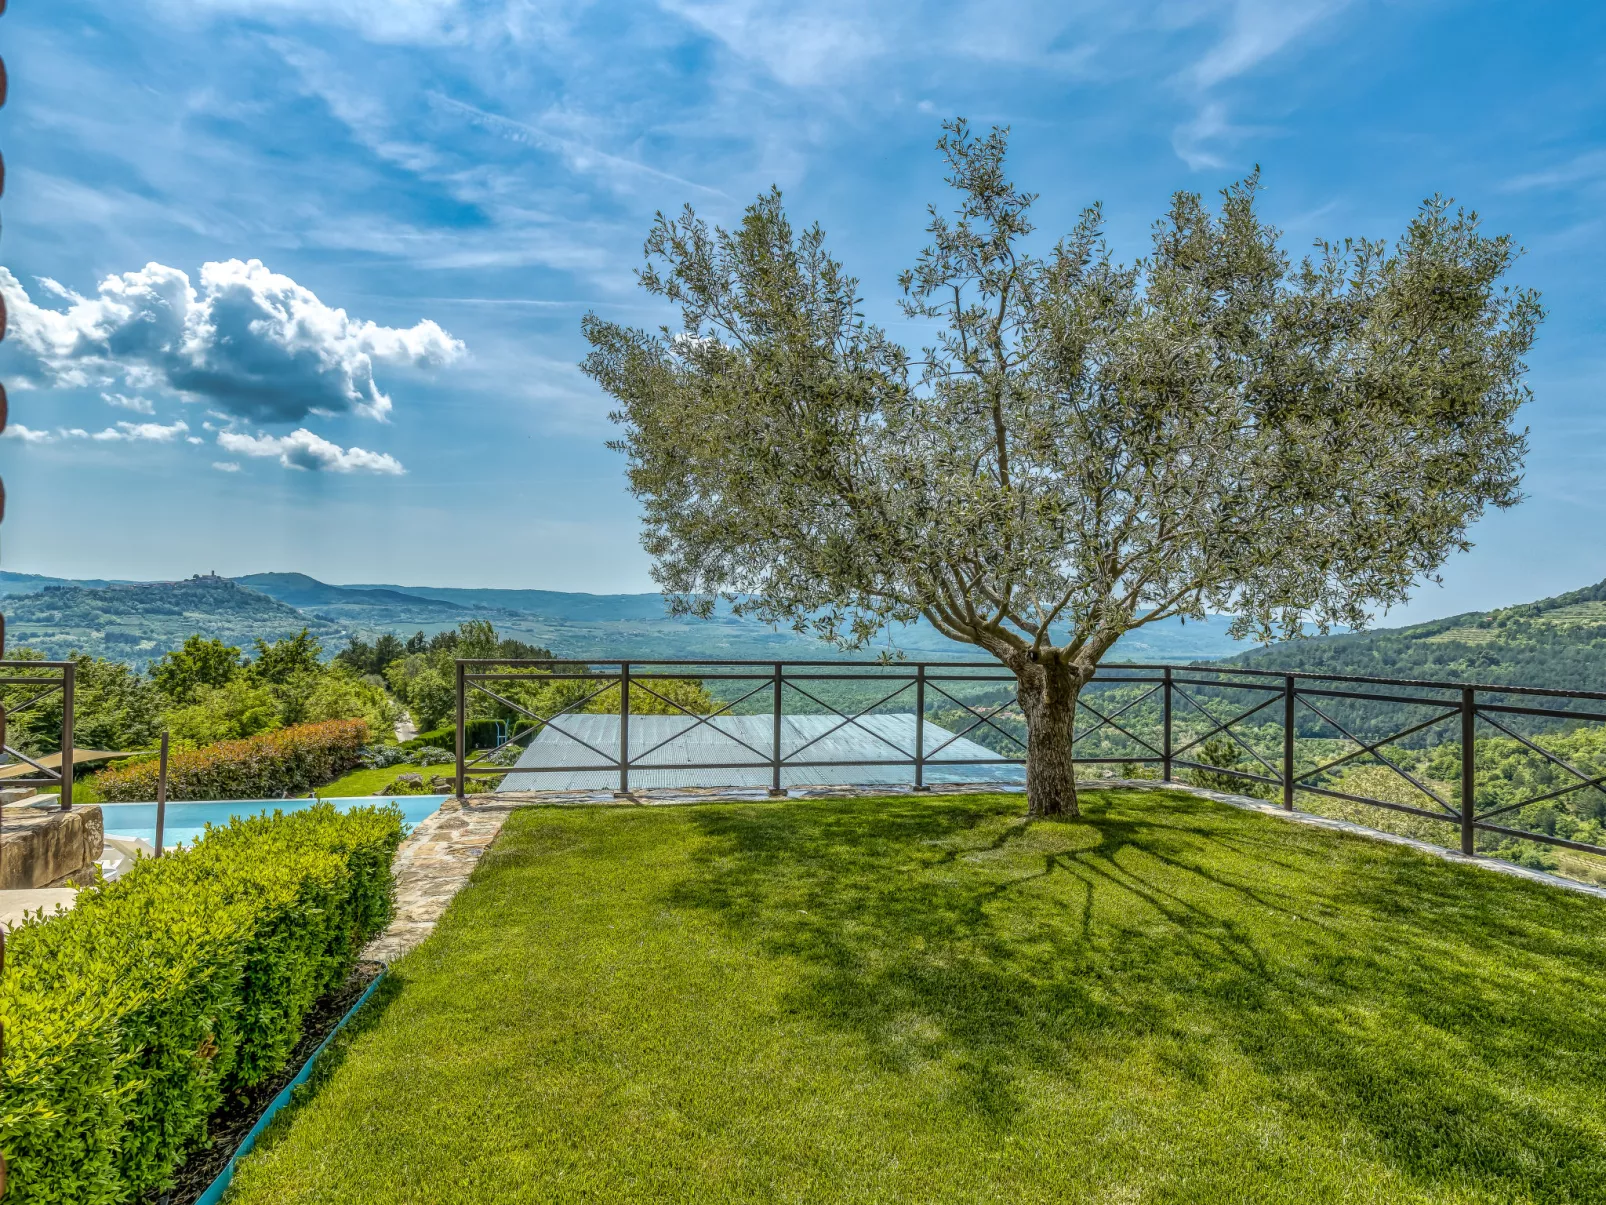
column 46, row 847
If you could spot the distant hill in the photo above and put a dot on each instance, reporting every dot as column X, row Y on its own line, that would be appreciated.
column 360, row 605
column 138, row 623
column 1556, row 642
column 32, row 583
column 554, row 605
column 636, row 625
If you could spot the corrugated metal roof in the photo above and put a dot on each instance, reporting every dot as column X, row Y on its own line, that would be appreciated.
column 574, row 749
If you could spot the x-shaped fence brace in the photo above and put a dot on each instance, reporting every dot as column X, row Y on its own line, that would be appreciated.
column 59, row 682
column 1293, row 692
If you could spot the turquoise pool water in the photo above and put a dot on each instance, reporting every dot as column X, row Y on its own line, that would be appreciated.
column 187, row 821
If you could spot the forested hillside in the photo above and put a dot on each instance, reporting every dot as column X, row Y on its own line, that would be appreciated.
column 1556, row 642
column 139, row 623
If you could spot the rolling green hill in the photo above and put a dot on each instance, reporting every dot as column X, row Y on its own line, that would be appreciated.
column 1556, row 642
column 138, row 623
column 636, row 625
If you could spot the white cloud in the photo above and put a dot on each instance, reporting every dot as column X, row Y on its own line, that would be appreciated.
column 796, row 44
column 147, row 432
column 226, row 466
column 1255, row 31
column 139, row 405
column 580, row 155
column 301, row 449
column 28, row 434
column 253, row 342
column 1583, row 168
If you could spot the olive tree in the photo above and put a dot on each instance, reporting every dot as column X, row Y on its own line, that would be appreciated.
column 1085, row 446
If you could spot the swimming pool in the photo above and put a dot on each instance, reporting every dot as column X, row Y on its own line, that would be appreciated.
column 187, row 821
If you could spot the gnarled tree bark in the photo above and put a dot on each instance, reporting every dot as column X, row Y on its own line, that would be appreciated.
column 1047, row 687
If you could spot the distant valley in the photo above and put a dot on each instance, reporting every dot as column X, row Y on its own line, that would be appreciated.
column 138, row 622
column 1556, row 642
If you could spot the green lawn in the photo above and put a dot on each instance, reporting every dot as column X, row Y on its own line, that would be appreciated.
column 366, row 782
column 933, row 1000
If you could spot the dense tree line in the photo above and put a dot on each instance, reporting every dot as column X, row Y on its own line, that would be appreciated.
column 203, row 692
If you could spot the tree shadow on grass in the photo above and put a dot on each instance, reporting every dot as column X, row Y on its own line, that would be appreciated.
column 1455, row 1016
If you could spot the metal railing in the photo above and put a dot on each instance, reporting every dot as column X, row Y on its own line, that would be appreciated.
column 36, row 682
column 1165, row 716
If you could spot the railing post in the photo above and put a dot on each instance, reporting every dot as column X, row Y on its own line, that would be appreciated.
column 624, row 727
column 462, row 735
column 1165, row 746
column 1288, row 743
column 1469, row 784
column 67, row 682
column 920, row 726
column 161, row 795
column 775, row 761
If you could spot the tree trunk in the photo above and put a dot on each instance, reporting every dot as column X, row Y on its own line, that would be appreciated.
column 1047, row 692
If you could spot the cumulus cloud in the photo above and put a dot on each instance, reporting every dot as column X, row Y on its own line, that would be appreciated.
column 301, row 449
column 226, row 466
column 253, row 343
column 28, row 434
column 151, row 432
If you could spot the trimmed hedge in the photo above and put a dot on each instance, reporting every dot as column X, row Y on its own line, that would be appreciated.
column 294, row 759
column 132, row 1018
column 477, row 734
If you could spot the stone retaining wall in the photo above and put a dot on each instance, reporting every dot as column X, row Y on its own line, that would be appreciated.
column 46, row 847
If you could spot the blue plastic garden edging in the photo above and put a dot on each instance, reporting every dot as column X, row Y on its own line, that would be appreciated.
column 214, row 1193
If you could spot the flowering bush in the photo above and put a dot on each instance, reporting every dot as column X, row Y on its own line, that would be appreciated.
column 291, row 759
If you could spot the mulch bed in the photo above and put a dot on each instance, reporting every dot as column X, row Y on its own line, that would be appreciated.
column 231, row 1123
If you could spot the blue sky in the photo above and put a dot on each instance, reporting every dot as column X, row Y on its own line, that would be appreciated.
column 435, row 191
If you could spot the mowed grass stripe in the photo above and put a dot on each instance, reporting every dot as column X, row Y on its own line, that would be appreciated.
column 935, row 1000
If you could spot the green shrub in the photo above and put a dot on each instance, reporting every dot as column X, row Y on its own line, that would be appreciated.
column 261, row 767
column 131, row 1019
column 477, row 734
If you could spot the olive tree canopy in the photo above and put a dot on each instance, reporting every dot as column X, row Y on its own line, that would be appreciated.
column 1085, row 447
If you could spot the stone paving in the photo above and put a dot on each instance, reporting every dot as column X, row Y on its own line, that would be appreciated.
column 432, row 865
column 436, row 860
column 17, row 905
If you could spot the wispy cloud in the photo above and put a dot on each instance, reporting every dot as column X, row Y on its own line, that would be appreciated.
column 797, row 44
column 1253, row 31
column 139, row 405
column 402, row 21
column 582, row 157
column 1586, row 167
